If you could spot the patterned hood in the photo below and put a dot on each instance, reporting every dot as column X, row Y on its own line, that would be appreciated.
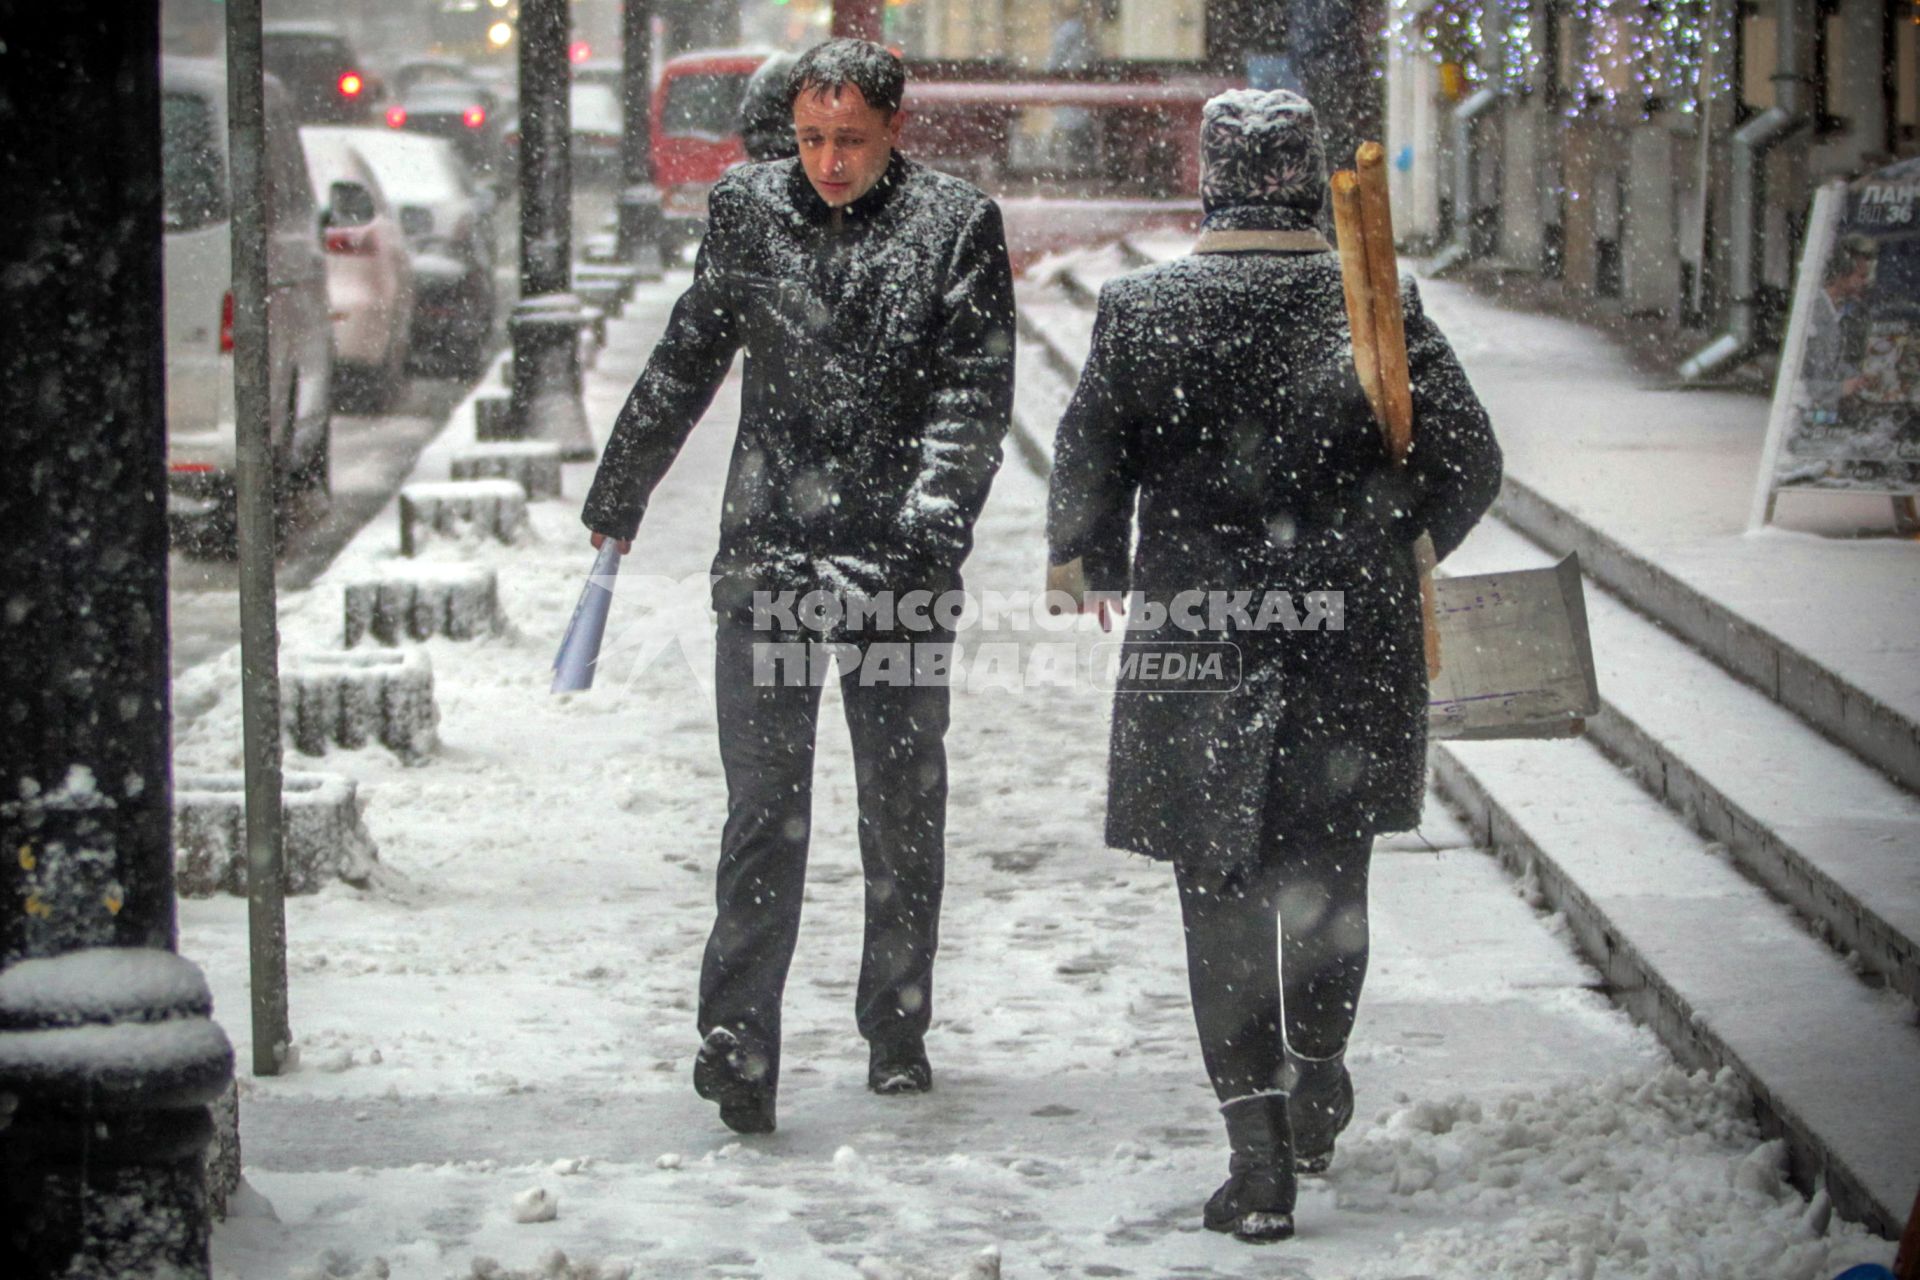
column 1262, row 165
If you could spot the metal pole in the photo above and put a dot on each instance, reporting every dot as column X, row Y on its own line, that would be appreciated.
column 545, row 324
column 639, row 198
column 254, row 481
column 103, row 1137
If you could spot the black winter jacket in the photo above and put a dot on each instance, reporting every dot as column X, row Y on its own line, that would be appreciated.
column 1220, row 395
column 878, row 382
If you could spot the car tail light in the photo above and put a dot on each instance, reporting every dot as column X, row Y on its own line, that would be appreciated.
column 474, row 117
column 350, row 240
column 226, row 323
column 396, row 117
column 351, row 84
column 190, row 468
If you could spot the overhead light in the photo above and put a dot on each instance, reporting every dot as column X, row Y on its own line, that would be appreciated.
column 500, row 34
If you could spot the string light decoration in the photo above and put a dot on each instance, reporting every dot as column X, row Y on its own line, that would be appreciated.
column 1622, row 56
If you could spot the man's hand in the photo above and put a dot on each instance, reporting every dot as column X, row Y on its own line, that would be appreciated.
column 599, row 540
column 1070, row 579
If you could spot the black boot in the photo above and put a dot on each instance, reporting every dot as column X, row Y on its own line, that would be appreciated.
column 1256, row 1201
column 1320, row 1106
column 741, row 1082
column 899, row 1068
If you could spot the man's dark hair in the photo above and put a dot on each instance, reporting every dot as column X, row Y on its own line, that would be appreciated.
column 871, row 68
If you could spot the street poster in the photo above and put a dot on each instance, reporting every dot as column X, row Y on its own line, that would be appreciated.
column 1846, row 401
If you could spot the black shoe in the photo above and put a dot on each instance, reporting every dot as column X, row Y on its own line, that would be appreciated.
column 899, row 1068
column 724, row 1072
column 1255, row 1203
column 1320, row 1107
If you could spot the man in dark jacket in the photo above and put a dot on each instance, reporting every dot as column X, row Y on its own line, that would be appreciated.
column 875, row 302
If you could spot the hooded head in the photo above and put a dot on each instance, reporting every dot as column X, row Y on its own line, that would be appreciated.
column 1262, row 167
column 766, row 112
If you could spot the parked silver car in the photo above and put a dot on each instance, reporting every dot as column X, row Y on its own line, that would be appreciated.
column 369, row 272
column 199, row 299
column 448, row 220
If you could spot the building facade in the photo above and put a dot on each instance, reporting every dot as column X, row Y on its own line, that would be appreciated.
column 1659, row 154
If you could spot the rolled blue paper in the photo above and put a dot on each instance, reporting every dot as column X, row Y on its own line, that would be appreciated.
column 580, row 647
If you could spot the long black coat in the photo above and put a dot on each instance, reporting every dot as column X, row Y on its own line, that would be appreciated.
column 878, row 384
column 1220, row 394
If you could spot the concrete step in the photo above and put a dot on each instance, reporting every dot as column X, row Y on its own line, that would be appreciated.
column 1872, row 729
column 1040, row 395
column 1059, row 329
column 1826, row 833
column 1715, row 965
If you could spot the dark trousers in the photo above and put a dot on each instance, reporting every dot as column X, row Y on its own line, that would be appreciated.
column 900, row 772
column 1284, row 943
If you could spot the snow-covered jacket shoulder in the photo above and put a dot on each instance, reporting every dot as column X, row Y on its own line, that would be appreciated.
column 877, row 388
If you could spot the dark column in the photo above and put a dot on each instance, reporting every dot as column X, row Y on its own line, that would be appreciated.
column 859, row 18
column 1335, row 47
column 99, row 1167
column 545, row 324
column 639, row 198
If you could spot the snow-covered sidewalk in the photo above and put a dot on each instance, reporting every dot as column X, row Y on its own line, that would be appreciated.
column 509, row 1009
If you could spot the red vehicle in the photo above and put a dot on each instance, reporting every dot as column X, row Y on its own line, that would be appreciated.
column 696, row 132
column 1073, row 161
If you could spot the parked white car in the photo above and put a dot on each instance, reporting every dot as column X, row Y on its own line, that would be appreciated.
column 199, row 299
column 369, row 273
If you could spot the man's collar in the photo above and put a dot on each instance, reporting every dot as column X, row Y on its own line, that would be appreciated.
column 809, row 203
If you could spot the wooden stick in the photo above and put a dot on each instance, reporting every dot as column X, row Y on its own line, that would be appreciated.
column 1357, row 282
column 1389, row 321
column 1370, row 276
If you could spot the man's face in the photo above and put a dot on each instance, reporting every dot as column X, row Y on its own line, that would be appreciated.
column 844, row 143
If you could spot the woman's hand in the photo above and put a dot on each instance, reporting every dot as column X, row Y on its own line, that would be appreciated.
column 1070, row 579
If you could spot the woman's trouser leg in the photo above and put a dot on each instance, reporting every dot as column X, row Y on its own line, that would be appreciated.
column 1234, row 922
column 1322, row 901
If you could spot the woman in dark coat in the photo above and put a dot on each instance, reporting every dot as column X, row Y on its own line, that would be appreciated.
column 1220, row 397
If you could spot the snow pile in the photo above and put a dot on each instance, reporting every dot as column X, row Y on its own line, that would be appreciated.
column 984, row 1265
column 555, row 1265
column 1661, row 1176
column 536, row 1204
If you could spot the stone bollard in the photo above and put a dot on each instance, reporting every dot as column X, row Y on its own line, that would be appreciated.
column 223, row 1153
column 533, row 464
column 353, row 699
column 622, row 278
column 493, row 419
column 603, row 295
column 324, row 837
column 461, row 509
column 420, row 601
column 593, row 331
